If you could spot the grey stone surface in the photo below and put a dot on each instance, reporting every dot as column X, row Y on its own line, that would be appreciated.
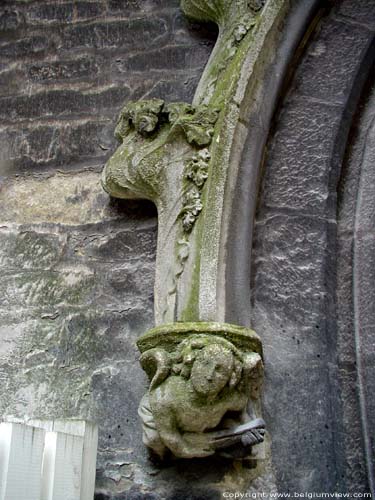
column 104, row 35
column 336, row 40
column 303, row 149
column 77, row 268
column 295, row 247
column 356, row 292
column 82, row 68
column 360, row 12
column 305, row 321
column 60, row 103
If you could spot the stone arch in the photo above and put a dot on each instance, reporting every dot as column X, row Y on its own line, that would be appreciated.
column 298, row 295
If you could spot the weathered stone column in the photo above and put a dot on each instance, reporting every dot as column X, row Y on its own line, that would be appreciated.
column 186, row 159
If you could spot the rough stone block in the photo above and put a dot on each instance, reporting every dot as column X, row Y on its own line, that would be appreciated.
column 367, row 371
column 28, row 148
column 38, row 289
column 71, row 199
column 61, row 103
column 365, row 209
column 30, row 249
column 302, row 184
column 345, row 305
column 68, row 12
column 10, row 19
column 177, row 88
column 291, row 272
column 116, row 34
column 364, row 277
column 360, row 11
column 86, row 140
column 335, row 42
column 55, row 12
column 111, row 387
column 168, row 58
column 88, row 10
column 85, row 67
column 126, row 285
column 28, row 47
column 11, row 80
column 355, row 473
column 309, row 426
column 123, row 246
column 137, row 6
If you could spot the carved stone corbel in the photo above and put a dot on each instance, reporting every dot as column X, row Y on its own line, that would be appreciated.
column 200, row 373
column 184, row 157
column 164, row 157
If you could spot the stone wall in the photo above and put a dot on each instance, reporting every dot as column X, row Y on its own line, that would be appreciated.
column 77, row 268
column 316, row 397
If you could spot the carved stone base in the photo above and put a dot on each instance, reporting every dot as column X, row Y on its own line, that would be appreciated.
column 202, row 378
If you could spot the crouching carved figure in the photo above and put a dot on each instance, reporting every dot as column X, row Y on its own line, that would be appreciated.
column 201, row 384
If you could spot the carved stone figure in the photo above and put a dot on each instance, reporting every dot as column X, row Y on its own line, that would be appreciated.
column 195, row 387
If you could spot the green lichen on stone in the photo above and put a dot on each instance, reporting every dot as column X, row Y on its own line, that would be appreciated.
column 168, row 336
column 143, row 116
column 195, row 175
column 197, row 122
column 164, row 157
column 219, row 11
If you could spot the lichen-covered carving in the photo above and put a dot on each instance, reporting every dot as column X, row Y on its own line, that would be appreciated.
column 197, row 122
column 160, row 154
column 196, row 173
column 199, row 391
column 151, row 135
column 197, row 168
column 182, row 156
column 143, row 116
column 164, row 157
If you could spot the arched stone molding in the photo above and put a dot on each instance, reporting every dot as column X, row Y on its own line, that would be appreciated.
column 297, row 304
column 355, row 293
